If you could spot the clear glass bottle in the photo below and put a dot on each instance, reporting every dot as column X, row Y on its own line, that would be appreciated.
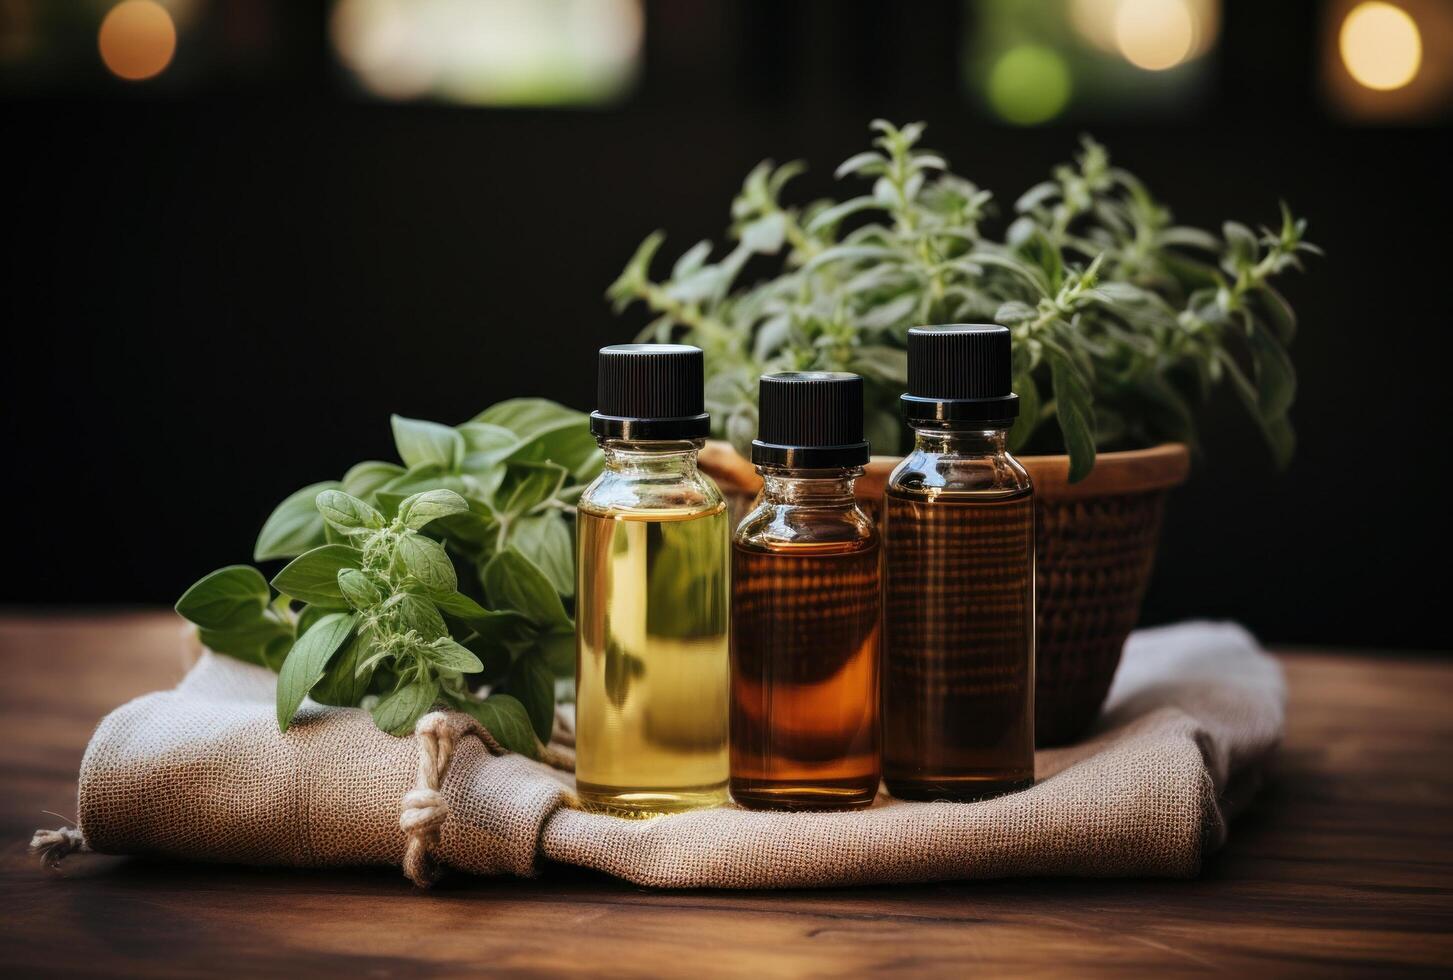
column 958, row 615
column 806, row 594
column 651, row 602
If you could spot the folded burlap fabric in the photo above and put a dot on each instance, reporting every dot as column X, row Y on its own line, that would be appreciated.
column 201, row 773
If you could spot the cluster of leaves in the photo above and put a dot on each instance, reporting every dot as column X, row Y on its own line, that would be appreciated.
column 1122, row 321
column 423, row 582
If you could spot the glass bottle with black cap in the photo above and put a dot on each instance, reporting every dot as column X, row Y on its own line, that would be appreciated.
column 805, row 606
column 958, row 607
column 651, row 602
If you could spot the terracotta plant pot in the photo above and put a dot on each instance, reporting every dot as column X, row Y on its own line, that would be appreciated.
column 1095, row 547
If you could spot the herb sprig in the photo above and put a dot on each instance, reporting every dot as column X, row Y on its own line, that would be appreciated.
column 1122, row 321
column 422, row 582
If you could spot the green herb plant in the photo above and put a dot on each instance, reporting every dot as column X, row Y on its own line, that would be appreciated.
column 424, row 582
column 1122, row 321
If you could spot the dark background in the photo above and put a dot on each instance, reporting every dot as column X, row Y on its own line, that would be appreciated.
column 216, row 294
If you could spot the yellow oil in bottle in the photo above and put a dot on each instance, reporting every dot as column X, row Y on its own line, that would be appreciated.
column 652, row 660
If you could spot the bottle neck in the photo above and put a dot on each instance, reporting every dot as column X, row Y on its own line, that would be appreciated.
column 676, row 457
column 809, row 488
column 956, row 440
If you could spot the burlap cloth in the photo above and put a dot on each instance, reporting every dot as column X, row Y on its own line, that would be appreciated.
column 201, row 773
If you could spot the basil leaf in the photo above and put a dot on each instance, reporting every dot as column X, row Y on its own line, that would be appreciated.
column 364, row 480
column 307, row 661
column 461, row 606
column 347, row 513
column 428, row 563
column 546, row 538
column 344, row 684
column 512, row 581
column 570, row 446
column 452, row 656
column 313, row 577
column 506, row 719
column 420, row 615
column 485, row 445
column 422, row 443
column 526, row 486
column 227, row 598
column 358, row 589
column 254, row 642
column 508, row 630
column 531, row 683
column 430, row 505
column 557, row 652
column 400, row 711
column 529, row 417
column 294, row 525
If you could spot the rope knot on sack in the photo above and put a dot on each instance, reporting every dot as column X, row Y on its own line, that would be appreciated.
column 424, row 808
column 52, row 846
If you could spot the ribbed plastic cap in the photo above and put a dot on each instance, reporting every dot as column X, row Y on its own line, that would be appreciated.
column 650, row 391
column 960, row 372
column 810, row 420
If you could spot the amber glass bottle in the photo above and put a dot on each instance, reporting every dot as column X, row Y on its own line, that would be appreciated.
column 651, row 601
column 958, row 616
column 806, row 592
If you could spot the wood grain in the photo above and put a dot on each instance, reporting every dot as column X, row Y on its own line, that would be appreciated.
column 1344, row 863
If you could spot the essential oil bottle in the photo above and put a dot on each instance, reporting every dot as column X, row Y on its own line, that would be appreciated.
column 651, row 603
column 958, row 614
column 806, row 594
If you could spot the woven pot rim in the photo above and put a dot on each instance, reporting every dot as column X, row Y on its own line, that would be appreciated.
column 1122, row 472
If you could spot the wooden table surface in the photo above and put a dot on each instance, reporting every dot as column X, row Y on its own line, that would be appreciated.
column 1344, row 863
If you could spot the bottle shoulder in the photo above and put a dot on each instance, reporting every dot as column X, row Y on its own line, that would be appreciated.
column 614, row 491
column 927, row 473
column 777, row 527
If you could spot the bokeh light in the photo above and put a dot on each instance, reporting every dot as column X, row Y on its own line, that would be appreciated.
column 491, row 52
column 137, row 39
column 1029, row 84
column 1381, row 46
column 1155, row 34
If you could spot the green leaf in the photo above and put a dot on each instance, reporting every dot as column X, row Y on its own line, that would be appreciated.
column 526, row 486
column 451, row 655
column 347, row 513
column 506, row 719
column 422, row 443
column 530, row 417
column 531, row 682
column 512, row 581
column 461, row 607
column 227, row 598
column 400, row 711
column 486, row 445
column 343, row 683
column 546, row 539
column 365, row 479
column 358, row 589
column 430, row 505
column 557, row 652
column 306, row 662
column 421, row 615
column 507, row 630
column 294, row 526
column 1029, row 409
column 428, row 563
column 1074, row 411
column 570, row 446
column 313, row 577
column 261, row 642
column 1276, row 378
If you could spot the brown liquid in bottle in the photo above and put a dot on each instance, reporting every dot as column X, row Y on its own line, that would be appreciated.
column 958, row 670
column 804, row 722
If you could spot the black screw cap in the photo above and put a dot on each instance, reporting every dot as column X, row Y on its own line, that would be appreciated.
column 810, row 420
column 650, row 391
column 960, row 373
